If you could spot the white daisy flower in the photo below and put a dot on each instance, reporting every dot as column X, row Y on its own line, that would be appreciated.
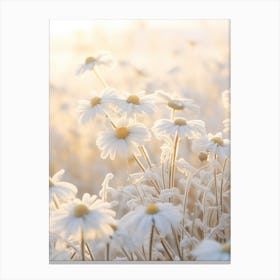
column 211, row 250
column 101, row 58
column 162, row 215
column 218, row 145
column 97, row 105
column 90, row 217
column 60, row 190
column 137, row 103
column 214, row 144
column 184, row 128
column 177, row 104
column 122, row 140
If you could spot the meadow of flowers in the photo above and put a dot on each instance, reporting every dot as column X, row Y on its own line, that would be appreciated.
column 140, row 142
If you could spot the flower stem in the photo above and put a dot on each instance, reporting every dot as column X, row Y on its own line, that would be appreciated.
column 151, row 242
column 125, row 253
column 99, row 77
column 90, row 252
column 144, row 254
column 143, row 169
column 162, row 173
column 172, row 114
column 144, row 152
column 55, row 200
column 82, row 246
column 112, row 123
column 73, row 255
column 216, row 190
column 189, row 179
column 146, row 156
column 222, row 182
column 177, row 242
column 107, row 251
column 164, row 245
column 139, row 163
column 174, row 159
column 193, row 220
column 166, row 249
column 169, row 171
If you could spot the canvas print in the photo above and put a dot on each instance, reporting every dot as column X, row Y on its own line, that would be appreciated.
column 139, row 141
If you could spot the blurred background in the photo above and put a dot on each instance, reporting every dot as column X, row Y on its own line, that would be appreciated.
column 187, row 57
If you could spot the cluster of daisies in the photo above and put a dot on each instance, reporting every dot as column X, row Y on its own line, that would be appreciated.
column 169, row 210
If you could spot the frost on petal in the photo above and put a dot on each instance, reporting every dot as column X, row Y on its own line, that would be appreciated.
column 58, row 176
column 105, row 186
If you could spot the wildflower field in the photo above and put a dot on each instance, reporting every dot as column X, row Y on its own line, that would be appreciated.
column 139, row 141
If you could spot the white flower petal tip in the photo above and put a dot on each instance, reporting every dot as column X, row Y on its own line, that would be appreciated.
column 211, row 250
column 60, row 191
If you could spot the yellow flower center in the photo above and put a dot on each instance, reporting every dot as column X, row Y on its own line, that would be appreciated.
column 114, row 227
column 134, row 99
column 180, row 121
column 94, row 101
column 122, row 132
column 203, row 156
column 226, row 248
column 90, row 60
column 218, row 140
column 152, row 209
column 80, row 210
column 51, row 183
column 175, row 105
